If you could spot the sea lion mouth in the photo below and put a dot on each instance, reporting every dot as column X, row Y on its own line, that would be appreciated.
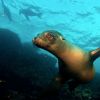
column 35, row 40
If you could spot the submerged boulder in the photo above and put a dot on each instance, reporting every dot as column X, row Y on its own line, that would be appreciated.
column 22, row 68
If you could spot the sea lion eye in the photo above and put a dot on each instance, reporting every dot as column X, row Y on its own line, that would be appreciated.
column 49, row 36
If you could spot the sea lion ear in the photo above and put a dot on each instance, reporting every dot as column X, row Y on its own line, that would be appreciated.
column 62, row 38
column 95, row 54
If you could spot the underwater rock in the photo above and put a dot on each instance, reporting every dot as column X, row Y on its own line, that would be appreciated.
column 10, row 46
column 21, row 66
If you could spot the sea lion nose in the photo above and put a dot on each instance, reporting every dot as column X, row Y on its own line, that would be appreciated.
column 33, row 40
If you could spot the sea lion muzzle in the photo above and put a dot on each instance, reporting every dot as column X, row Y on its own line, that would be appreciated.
column 34, row 40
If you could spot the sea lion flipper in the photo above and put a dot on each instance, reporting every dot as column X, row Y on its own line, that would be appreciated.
column 95, row 54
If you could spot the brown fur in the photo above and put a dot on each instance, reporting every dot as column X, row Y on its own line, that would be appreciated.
column 76, row 61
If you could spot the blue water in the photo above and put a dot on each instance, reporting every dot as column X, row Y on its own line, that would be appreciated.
column 24, row 68
column 77, row 20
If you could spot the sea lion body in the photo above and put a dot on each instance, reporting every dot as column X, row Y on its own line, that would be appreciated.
column 77, row 64
column 74, row 62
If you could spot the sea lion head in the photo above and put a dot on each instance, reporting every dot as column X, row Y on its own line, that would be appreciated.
column 47, row 39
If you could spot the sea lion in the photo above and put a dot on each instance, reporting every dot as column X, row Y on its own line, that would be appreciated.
column 28, row 12
column 6, row 11
column 74, row 62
